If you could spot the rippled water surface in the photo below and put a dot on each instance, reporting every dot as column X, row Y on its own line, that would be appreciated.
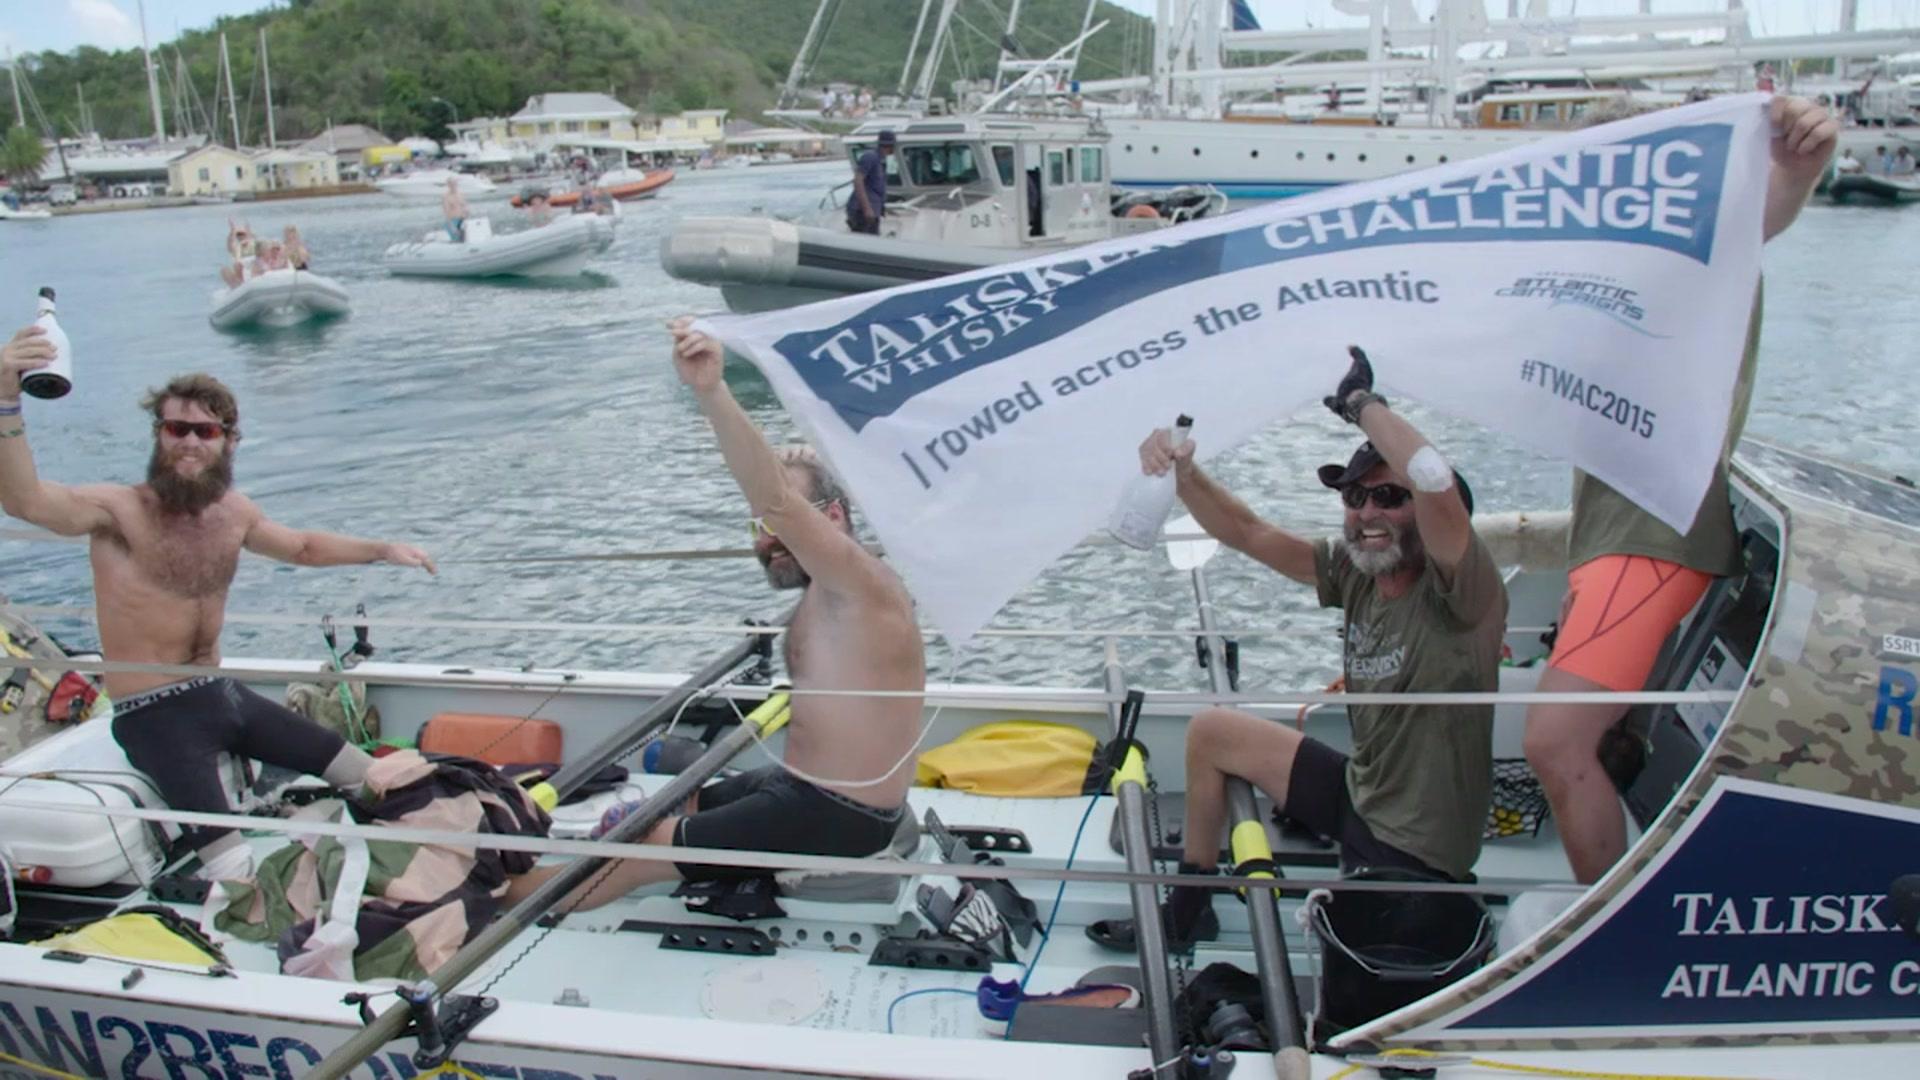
column 487, row 421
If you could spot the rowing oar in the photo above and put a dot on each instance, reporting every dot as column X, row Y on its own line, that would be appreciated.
column 1129, row 784
column 656, row 716
column 1248, row 838
column 763, row 721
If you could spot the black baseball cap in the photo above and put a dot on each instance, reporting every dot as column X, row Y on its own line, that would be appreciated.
column 1362, row 462
column 888, row 138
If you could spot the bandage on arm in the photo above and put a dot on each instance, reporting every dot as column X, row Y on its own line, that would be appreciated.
column 1429, row 471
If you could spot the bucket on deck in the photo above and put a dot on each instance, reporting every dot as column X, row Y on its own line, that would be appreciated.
column 1383, row 950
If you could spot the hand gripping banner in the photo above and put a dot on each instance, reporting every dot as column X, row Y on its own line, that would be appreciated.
column 1586, row 295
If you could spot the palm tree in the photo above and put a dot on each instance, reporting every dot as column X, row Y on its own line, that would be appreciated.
column 21, row 156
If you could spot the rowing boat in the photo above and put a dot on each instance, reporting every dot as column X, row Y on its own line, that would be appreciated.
column 1760, row 925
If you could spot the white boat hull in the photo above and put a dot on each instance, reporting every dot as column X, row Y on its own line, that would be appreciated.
column 8, row 214
column 279, row 298
column 433, row 184
column 1269, row 161
column 557, row 249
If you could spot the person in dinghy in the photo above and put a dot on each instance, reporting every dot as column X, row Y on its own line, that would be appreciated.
column 1425, row 610
column 164, row 553
column 842, row 788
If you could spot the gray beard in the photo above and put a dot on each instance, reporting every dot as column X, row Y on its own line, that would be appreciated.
column 1403, row 553
column 189, row 495
column 790, row 575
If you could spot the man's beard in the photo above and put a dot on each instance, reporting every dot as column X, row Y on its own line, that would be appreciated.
column 1403, row 551
column 189, row 495
column 788, row 574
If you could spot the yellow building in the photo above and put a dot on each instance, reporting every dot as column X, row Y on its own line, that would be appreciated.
column 213, row 170
column 547, row 117
column 284, row 169
column 706, row 125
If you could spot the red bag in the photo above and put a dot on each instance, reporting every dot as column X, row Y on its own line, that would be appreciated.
column 72, row 698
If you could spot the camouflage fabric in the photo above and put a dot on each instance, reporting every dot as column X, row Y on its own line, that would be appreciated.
column 421, row 902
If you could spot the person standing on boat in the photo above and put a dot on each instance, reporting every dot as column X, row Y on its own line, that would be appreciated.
column 1633, row 578
column 163, row 555
column 849, row 760
column 1426, row 611
column 868, row 203
column 1903, row 164
column 454, row 206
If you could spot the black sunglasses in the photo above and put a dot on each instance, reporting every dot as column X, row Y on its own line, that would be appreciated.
column 1385, row 496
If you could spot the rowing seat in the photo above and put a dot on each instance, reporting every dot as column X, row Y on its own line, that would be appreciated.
column 855, row 887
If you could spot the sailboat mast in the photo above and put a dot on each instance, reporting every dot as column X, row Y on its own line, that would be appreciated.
column 800, row 58
column 266, row 73
column 906, row 70
column 153, row 79
column 233, row 110
column 13, row 70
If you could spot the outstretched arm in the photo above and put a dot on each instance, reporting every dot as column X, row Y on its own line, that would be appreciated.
column 1805, row 140
column 308, row 547
column 23, row 494
column 1445, row 526
column 830, row 556
column 1223, row 516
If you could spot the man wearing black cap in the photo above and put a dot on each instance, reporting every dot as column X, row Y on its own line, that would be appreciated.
column 869, row 199
column 1426, row 612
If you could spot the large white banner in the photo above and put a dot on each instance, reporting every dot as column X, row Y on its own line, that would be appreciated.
column 1586, row 295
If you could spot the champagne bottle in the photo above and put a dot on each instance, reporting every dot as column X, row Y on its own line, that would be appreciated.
column 1142, row 511
column 56, row 378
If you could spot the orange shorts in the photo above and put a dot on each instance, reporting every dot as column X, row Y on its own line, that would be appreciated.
column 1618, row 612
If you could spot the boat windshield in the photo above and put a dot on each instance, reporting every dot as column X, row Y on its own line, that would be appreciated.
column 941, row 164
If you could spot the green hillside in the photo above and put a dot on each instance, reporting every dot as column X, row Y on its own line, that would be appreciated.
column 383, row 62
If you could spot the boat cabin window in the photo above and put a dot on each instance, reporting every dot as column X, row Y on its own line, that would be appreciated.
column 941, row 165
column 1091, row 162
column 1056, row 168
column 1576, row 109
column 1513, row 113
column 892, row 162
column 1003, row 164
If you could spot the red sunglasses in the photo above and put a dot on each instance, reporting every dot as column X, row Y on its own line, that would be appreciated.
column 180, row 429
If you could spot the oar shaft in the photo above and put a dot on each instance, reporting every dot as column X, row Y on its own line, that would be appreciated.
column 1136, row 843
column 651, row 719
column 1280, row 1001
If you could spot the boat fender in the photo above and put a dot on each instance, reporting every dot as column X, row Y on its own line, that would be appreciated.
column 1142, row 210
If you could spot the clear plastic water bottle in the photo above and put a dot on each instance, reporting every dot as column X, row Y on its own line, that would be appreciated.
column 56, row 378
column 1142, row 511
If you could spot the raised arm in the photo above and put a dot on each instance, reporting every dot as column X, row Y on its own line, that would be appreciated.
column 54, row 507
column 1224, row 517
column 1446, row 528
column 830, row 556
column 308, row 547
column 1805, row 140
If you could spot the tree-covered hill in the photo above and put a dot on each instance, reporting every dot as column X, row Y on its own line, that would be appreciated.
column 384, row 62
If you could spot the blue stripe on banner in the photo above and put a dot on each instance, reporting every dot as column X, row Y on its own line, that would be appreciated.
column 1658, row 190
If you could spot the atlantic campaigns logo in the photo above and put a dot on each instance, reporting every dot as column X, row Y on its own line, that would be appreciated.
column 1659, row 190
column 1598, row 293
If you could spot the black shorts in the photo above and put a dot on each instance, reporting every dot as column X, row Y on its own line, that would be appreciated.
column 770, row 809
column 176, row 733
column 1317, row 797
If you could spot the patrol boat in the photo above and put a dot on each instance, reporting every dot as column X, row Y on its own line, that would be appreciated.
column 1762, row 923
column 963, row 192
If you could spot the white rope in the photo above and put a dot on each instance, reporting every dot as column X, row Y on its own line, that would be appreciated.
column 756, row 860
column 490, row 625
column 377, row 674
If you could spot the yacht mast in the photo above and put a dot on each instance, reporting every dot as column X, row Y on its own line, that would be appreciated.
column 799, row 67
column 153, row 79
column 266, row 73
column 906, row 69
column 924, row 88
column 233, row 110
column 13, row 70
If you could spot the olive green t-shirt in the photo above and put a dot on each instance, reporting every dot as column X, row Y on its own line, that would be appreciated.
column 1421, row 776
column 1606, row 522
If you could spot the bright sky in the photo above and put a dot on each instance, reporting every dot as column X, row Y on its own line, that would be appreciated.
column 32, row 25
